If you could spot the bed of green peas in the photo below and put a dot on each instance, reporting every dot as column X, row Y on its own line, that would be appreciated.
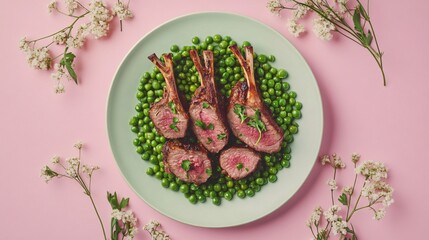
column 276, row 94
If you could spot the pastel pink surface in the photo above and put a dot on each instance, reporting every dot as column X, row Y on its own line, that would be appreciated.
column 387, row 124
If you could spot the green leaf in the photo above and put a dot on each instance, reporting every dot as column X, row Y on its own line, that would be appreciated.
column 239, row 110
column 186, row 165
column 363, row 12
column 369, row 38
column 209, row 171
column 343, row 199
column 239, row 166
column 67, row 61
column 205, row 105
column 209, row 140
column 124, row 203
column 174, row 127
column 221, row 136
column 113, row 200
column 172, row 107
column 210, row 126
column 356, row 20
column 256, row 122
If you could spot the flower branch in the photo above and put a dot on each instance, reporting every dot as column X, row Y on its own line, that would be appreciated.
column 352, row 22
column 96, row 17
column 378, row 195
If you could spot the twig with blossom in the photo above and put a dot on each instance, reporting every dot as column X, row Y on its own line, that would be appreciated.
column 123, row 223
column 75, row 170
column 72, row 36
column 350, row 20
column 378, row 195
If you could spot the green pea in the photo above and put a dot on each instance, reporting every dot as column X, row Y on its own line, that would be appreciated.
column 217, row 38
column 184, row 188
column 298, row 105
column 230, row 61
column 228, row 196
column 293, row 129
column 201, row 198
column 165, row 182
column 193, row 199
column 224, row 44
column 216, row 201
column 159, row 175
column 272, row 178
column 209, row 39
column 282, row 74
column 260, row 181
column 174, row 48
column 262, row 58
column 150, row 171
column 241, row 194
column 250, row 192
column 296, row 114
column 195, row 40
column 271, row 58
column 246, row 44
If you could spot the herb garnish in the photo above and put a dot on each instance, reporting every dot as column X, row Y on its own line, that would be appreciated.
column 209, row 171
column 256, row 122
column 209, row 140
column 221, row 136
column 205, row 105
column 203, row 126
column 239, row 166
column 172, row 107
column 239, row 110
column 186, row 165
column 174, row 124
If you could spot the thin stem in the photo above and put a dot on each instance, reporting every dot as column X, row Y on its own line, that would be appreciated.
column 332, row 190
column 98, row 216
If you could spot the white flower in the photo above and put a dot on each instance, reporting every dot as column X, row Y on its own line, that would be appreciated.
column 156, row 234
column 332, row 184
column 379, row 214
column 355, row 157
column 52, row 5
column 337, row 162
column 121, row 10
column 347, row 190
column 325, row 160
column 116, row 214
column 274, row 6
column 59, row 88
column 378, row 191
column 89, row 169
column 342, row 5
column 339, row 226
column 331, row 213
column 55, row 160
column 100, row 17
column 129, row 222
column 371, row 170
column 79, row 39
column 78, row 145
column 295, row 29
column 48, row 173
column 38, row 58
column 59, row 72
column 322, row 28
column 315, row 217
column 60, row 38
column 300, row 12
column 71, row 6
column 24, row 45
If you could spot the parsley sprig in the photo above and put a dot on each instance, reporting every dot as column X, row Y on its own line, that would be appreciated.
column 204, row 126
column 174, row 124
column 172, row 107
column 254, row 121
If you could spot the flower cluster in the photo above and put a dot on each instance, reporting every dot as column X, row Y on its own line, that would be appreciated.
column 128, row 221
column 348, row 18
column 153, row 228
column 377, row 192
column 72, row 168
column 96, row 18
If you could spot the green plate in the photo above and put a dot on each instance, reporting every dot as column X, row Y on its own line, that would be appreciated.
column 122, row 100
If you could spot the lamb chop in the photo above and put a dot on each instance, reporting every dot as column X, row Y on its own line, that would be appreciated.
column 206, row 110
column 239, row 162
column 187, row 162
column 168, row 115
column 250, row 120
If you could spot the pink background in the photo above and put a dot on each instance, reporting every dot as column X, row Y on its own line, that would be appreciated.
column 387, row 124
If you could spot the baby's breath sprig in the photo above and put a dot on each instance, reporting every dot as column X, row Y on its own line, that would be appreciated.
column 349, row 18
column 96, row 17
column 378, row 195
column 73, row 169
